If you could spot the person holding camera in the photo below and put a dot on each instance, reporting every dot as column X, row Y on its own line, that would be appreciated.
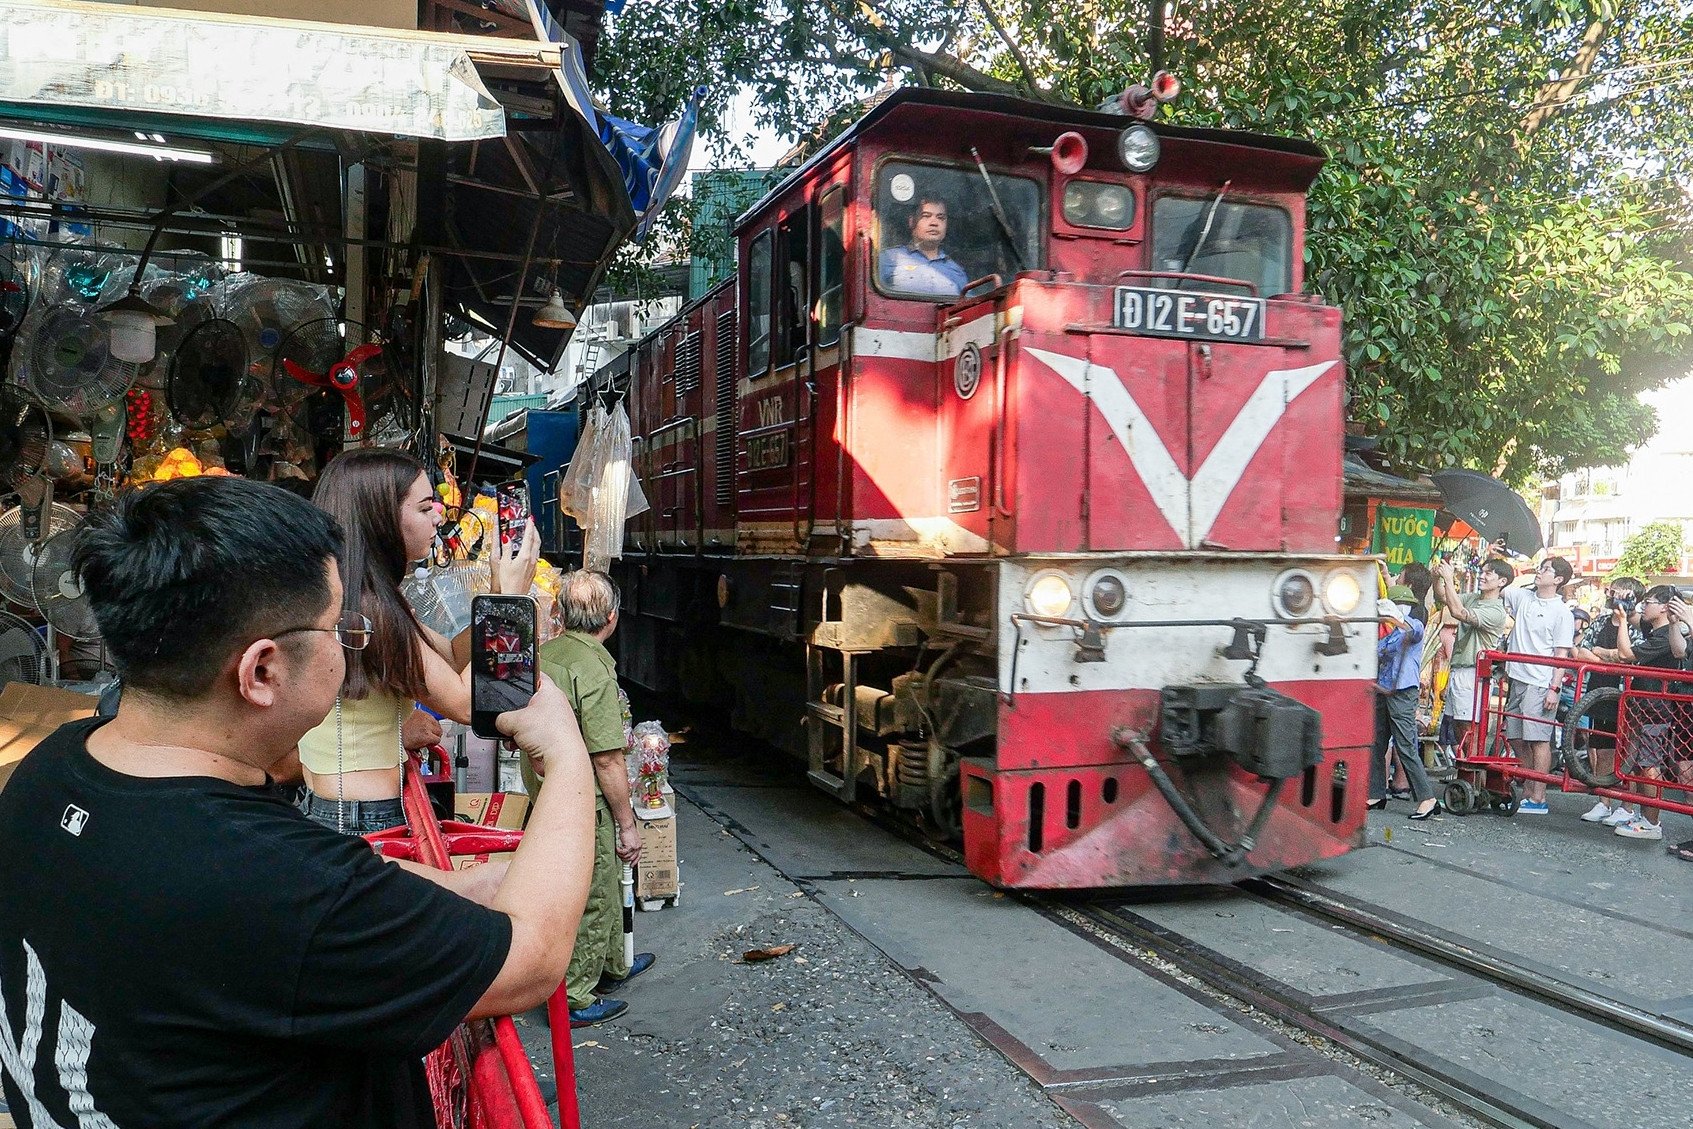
column 1610, row 638
column 1480, row 617
column 1399, row 660
column 1652, row 719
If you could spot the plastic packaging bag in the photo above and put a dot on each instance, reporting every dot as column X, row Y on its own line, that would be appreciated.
column 649, row 764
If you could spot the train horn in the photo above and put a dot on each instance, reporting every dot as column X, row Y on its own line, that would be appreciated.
column 1068, row 153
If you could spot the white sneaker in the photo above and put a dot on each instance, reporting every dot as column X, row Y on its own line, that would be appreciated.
column 1619, row 817
column 1639, row 829
column 1597, row 812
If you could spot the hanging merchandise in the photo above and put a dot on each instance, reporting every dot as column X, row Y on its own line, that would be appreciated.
column 16, row 289
column 617, row 498
column 205, row 375
column 58, row 591
column 63, row 358
column 23, row 653
column 24, row 530
column 599, row 488
column 350, row 359
column 576, row 485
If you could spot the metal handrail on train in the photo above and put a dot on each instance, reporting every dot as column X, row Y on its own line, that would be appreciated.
column 1182, row 276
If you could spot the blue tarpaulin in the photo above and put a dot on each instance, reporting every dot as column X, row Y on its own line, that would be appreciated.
column 653, row 159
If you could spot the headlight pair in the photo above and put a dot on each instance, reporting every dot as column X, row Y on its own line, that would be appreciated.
column 1105, row 594
column 1296, row 593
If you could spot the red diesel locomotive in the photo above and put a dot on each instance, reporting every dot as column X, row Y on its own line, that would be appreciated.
column 1002, row 483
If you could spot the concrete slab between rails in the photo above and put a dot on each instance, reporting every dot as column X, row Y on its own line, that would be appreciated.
column 1074, row 1004
column 806, row 834
column 1314, row 1101
column 1314, row 960
column 1565, row 1070
column 1642, row 960
column 1064, row 1008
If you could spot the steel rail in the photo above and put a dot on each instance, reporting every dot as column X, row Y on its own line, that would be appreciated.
column 1570, row 997
column 1245, row 985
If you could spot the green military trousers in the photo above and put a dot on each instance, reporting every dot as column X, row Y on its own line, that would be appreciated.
column 599, row 939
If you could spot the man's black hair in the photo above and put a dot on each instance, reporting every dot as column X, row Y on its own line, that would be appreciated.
column 1663, row 593
column 1630, row 585
column 1561, row 568
column 1502, row 569
column 183, row 573
column 1417, row 578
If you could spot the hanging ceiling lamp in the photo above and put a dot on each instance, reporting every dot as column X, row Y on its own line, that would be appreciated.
column 553, row 315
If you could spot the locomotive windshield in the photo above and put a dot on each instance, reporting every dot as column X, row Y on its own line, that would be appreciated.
column 936, row 229
column 1217, row 236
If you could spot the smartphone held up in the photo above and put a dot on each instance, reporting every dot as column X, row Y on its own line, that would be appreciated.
column 512, row 505
column 502, row 658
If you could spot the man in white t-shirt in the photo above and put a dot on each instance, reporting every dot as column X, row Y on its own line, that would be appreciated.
column 1543, row 626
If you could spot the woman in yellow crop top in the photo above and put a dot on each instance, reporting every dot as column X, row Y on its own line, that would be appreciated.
column 352, row 759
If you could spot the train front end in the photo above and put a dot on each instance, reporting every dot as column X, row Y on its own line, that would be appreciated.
column 1183, row 667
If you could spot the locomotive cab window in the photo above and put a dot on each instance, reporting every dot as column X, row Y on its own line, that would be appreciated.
column 1217, row 236
column 758, row 306
column 791, row 279
column 936, row 229
column 831, row 264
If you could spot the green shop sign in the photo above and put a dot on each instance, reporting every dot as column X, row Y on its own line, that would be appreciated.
column 1403, row 535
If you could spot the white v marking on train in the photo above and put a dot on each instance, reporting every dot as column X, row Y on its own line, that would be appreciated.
column 1191, row 505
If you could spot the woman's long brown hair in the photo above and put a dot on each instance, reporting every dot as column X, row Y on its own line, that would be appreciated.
column 363, row 488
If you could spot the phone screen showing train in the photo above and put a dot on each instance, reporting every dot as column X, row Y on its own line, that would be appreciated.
column 512, row 499
column 502, row 659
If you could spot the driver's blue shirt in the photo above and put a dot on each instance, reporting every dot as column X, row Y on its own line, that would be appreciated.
column 909, row 271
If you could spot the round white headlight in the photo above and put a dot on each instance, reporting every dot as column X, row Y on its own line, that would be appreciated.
column 1294, row 594
column 1342, row 593
column 1049, row 595
column 1138, row 147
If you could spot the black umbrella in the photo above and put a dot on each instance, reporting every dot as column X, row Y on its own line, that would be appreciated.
column 1491, row 508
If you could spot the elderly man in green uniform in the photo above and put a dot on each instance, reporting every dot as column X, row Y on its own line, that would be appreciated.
column 579, row 663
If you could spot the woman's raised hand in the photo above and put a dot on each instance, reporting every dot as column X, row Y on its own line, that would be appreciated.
column 514, row 569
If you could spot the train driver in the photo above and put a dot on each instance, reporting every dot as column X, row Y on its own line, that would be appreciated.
column 920, row 266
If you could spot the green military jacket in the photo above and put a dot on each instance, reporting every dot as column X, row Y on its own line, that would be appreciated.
column 587, row 674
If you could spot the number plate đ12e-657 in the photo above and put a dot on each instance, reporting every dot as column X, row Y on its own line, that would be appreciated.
column 1184, row 313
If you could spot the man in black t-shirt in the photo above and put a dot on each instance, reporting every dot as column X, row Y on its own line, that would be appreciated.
column 1650, row 721
column 180, row 948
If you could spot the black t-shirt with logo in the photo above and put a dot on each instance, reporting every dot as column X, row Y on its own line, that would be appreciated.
column 188, row 952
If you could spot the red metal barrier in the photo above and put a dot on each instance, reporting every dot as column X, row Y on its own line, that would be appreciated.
column 481, row 1077
column 1632, row 742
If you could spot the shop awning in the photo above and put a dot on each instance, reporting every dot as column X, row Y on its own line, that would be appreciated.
column 126, row 60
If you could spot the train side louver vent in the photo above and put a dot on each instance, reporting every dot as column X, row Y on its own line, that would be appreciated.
column 725, row 404
column 687, row 365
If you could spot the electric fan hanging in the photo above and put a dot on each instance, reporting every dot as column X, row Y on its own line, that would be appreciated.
column 23, row 653
column 14, row 291
column 207, row 372
column 20, row 547
column 70, row 366
column 341, row 356
column 57, row 589
column 25, row 434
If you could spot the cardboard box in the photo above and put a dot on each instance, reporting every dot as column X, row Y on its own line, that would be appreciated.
column 658, row 877
column 465, row 862
column 505, row 810
column 29, row 713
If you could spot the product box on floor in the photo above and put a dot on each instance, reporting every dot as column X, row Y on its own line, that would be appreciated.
column 658, row 878
column 29, row 713
column 505, row 810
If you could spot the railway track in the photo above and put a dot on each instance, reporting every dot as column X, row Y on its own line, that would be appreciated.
column 1493, row 1101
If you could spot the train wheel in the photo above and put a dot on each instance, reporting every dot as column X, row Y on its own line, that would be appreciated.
column 946, row 805
column 1460, row 797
